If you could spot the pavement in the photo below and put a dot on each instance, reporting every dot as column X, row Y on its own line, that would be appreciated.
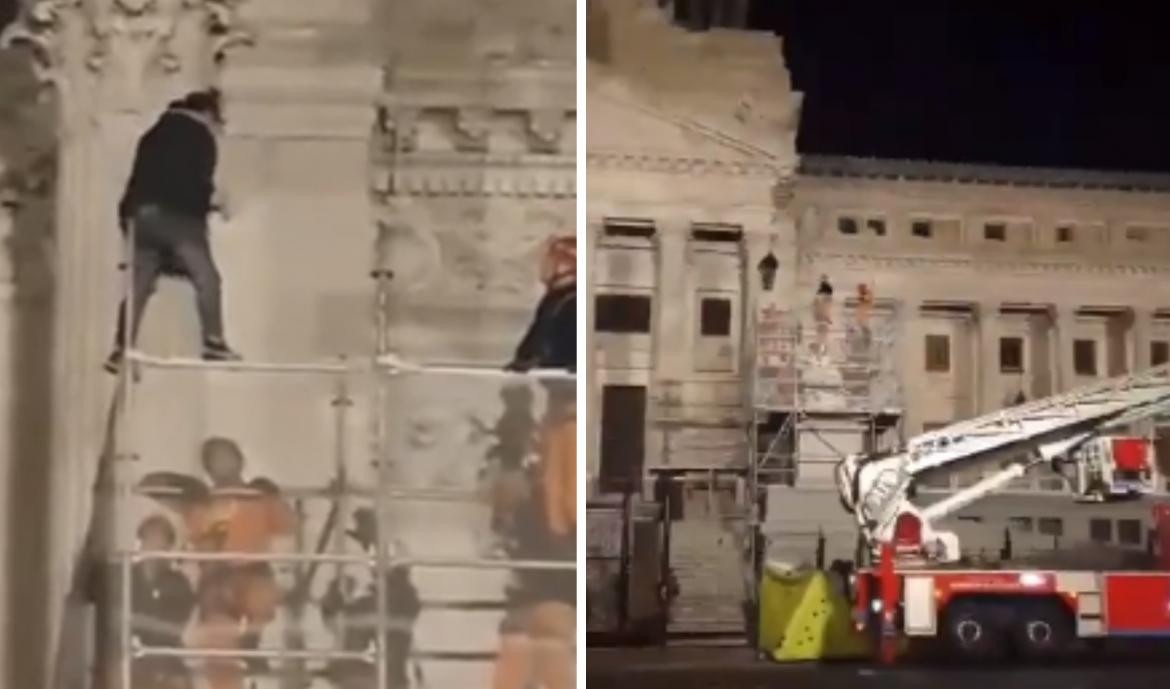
column 739, row 668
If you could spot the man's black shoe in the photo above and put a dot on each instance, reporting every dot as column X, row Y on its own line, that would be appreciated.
column 218, row 351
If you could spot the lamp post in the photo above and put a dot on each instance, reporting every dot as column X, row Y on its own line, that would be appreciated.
column 768, row 267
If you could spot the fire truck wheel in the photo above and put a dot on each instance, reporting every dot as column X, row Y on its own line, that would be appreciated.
column 1042, row 631
column 971, row 632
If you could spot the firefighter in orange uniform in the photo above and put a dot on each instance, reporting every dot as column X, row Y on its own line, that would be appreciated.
column 538, row 631
column 236, row 600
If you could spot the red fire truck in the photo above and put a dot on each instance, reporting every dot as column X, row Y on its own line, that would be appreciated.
column 918, row 588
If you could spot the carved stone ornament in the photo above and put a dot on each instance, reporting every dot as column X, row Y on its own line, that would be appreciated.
column 399, row 129
column 472, row 129
column 783, row 191
column 546, row 128
column 134, row 34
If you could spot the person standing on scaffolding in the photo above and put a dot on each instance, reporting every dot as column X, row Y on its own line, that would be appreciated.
column 823, row 316
column 537, row 634
column 165, row 207
column 236, row 599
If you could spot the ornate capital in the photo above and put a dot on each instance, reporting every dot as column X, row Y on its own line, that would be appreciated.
column 126, row 40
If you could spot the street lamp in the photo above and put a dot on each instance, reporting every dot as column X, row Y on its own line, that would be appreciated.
column 768, row 266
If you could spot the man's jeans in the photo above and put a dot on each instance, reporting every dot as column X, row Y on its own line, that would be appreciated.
column 166, row 242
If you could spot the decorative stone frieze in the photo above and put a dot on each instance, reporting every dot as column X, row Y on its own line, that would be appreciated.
column 473, row 151
column 871, row 261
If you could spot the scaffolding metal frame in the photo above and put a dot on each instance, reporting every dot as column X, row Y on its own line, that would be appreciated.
column 384, row 366
column 863, row 357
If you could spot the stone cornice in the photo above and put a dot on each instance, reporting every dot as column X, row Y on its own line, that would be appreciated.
column 468, row 175
column 814, row 166
column 662, row 163
column 982, row 265
column 500, row 88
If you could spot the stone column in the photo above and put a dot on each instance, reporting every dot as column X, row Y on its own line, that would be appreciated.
column 672, row 302
column 756, row 247
column 1140, row 329
column 1063, row 318
column 114, row 64
column 590, row 238
column 987, row 371
column 907, row 367
column 784, row 239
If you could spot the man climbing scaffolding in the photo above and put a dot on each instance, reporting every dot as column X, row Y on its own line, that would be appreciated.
column 236, row 600
column 165, row 207
column 536, row 636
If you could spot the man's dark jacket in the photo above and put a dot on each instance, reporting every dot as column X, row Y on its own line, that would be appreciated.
column 551, row 340
column 174, row 167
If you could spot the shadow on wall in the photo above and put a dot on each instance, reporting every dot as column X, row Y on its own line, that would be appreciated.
column 27, row 176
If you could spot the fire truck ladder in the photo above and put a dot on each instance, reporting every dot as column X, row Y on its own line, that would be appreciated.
column 124, row 551
column 875, row 487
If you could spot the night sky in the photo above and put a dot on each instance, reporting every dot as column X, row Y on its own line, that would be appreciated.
column 1015, row 83
column 994, row 82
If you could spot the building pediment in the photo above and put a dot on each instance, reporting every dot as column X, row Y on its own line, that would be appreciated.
column 626, row 127
column 656, row 91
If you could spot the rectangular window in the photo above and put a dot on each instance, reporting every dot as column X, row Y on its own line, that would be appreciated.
column 995, row 232
column 1020, row 524
column 1159, row 352
column 623, row 313
column 1051, row 526
column 1129, row 531
column 877, row 226
column 920, row 228
column 1011, row 354
column 1100, row 530
column 847, row 225
column 720, row 234
column 641, row 229
column 623, row 437
column 1085, row 357
column 1064, row 234
column 715, row 317
column 1136, row 234
column 938, row 353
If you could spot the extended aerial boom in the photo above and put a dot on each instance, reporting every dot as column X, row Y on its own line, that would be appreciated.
column 1072, row 429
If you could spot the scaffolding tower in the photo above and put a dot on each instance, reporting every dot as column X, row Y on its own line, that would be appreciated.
column 811, row 377
column 374, row 379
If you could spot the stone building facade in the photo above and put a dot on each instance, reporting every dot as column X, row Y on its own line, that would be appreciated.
column 434, row 141
column 993, row 284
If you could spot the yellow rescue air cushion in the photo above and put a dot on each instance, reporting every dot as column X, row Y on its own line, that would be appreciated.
column 804, row 617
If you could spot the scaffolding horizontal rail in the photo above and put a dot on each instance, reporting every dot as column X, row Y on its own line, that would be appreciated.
column 397, row 364
column 243, row 654
column 397, row 492
column 390, row 363
column 189, row 363
column 368, row 560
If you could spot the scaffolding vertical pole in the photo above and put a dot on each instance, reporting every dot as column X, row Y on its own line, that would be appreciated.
column 121, row 454
column 381, row 562
column 383, row 277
